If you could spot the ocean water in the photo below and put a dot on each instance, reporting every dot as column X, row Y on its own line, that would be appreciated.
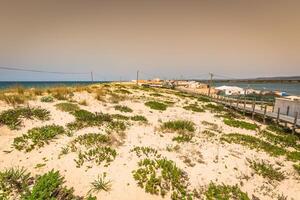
column 43, row 84
column 289, row 88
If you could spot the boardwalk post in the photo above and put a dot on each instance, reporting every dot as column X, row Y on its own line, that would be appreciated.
column 273, row 107
column 253, row 109
column 230, row 103
column 244, row 106
column 278, row 113
column 265, row 111
column 295, row 123
column 287, row 113
column 237, row 103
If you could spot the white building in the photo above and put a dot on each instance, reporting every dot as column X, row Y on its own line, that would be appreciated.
column 289, row 106
column 231, row 90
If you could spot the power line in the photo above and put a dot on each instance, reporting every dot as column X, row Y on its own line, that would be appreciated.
column 40, row 71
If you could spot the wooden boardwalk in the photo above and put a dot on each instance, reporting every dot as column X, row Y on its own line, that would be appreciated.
column 249, row 107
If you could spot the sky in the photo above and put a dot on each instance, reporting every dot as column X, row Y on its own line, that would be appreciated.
column 160, row 38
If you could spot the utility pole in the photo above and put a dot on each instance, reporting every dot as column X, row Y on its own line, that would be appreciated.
column 92, row 77
column 210, row 83
column 137, row 77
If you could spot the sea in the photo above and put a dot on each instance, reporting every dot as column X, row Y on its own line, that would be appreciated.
column 289, row 88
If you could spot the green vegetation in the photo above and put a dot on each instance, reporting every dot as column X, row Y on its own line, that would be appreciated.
column 50, row 186
column 194, row 108
column 240, row 124
column 156, row 105
column 285, row 140
column 14, row 180
column 123, row 108
column 122, row 91
column 39, row 165
column 100, row 184
column 119, row 117
column 225, row 192
column 17, row 183
column 161, row 176
column 13, row 117
column 47, row 99
column 116, row 126
column 156, row 95
column 184, row 128
column 267, row 171
column 85, row 118
column 215, row 108
column 139, row 118
column 183, row 138
column 37, row 137
column 256, row 143
column 67, row 107
column 92, row 147
column 203, row 99
column 146, row 151
column 278, row 129
column 297, row 168
column 98, row 155
column 179, row 126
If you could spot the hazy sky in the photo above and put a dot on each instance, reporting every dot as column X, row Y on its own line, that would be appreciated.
column 168, row 39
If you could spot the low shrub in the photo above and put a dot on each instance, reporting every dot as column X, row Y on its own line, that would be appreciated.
column 12, row 117
column 122, row 91
column 161, row 176
column 37, row 137
column 92, row 147
column 178, row 126
column 156, row 105
column 47, row 99
column 14, row 180
column 215, row 108
column 225, row 192
column 240, row 124
column 194, row 108
column 139, row 118
column 123, row 108
column 67, row 107
column 85, row 118
column 267, row 171
column 146, row 151
column 50, row 186
column 256, row 143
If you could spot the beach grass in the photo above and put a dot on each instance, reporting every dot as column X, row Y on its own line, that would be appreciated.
column 155, row 105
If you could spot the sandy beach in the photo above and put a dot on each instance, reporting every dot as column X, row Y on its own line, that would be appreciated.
column 203, row 154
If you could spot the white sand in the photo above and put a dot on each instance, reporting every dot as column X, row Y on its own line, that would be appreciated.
column 221, row 163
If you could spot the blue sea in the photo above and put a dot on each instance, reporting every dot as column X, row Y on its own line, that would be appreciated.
column 43, row 84
column 289, row 88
